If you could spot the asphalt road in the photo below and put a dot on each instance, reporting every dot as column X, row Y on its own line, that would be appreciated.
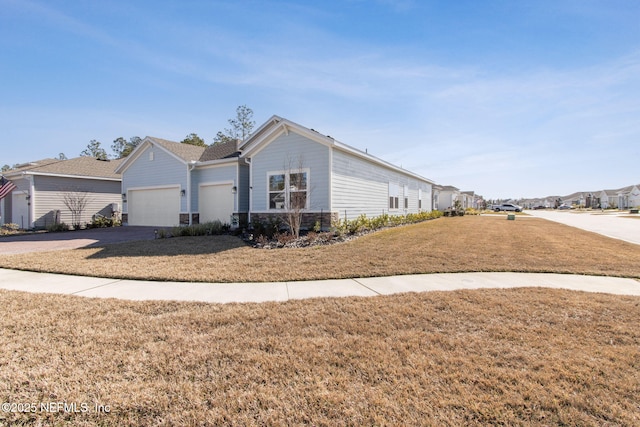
column 40, row 242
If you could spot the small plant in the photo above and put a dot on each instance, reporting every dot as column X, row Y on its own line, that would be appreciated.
column 10, row 228
column 100, row 221
column 57, row 227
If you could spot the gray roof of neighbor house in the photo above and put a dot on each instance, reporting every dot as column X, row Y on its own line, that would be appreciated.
column 79, row 166
column 31, row 165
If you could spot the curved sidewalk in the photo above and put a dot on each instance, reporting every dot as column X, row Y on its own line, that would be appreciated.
column 283, row 291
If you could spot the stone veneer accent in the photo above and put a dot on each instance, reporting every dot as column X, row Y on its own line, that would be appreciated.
column 309, row 219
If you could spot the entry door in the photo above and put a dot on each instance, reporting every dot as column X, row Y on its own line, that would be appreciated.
column 216, row 203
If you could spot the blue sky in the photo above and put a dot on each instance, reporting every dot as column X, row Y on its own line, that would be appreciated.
column 507, row 98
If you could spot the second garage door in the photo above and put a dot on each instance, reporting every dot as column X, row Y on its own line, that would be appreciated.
column 216, row 203
column 158, row 207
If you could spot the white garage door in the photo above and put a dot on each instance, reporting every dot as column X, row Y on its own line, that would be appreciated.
column 216, row 202
column 157, row 207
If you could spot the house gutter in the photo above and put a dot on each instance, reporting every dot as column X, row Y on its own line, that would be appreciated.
column 61, row 175
column 248, row 160
column 31, row 202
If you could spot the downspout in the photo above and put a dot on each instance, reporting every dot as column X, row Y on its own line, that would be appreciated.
column 190, row 167
column 248, row 160
column 31, row 201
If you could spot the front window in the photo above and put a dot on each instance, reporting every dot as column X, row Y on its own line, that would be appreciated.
column 298, row 190
column 288, row 190
column 276, row 191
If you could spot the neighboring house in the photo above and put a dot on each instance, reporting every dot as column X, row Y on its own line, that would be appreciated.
column 629, row 197
column 467, row 199
column 608, row 199
column 42, row 186
column 574, row 200
column 167, row 184
column 446, row 197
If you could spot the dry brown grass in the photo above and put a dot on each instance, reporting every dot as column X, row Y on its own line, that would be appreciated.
column 488, row 357
column 459, row 244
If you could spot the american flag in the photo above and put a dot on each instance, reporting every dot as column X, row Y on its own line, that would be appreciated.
column 6, row 187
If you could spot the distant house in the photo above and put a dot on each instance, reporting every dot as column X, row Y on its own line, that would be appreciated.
column 445, row 197
column 467, row 198
column 576, row 200
column 629, row 197
column 165, row 183
column 41, row 187
column 608, row 199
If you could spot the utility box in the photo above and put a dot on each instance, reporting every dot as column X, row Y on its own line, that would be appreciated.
column 511, row 217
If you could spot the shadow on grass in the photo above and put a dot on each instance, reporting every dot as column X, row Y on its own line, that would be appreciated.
column 175, row 246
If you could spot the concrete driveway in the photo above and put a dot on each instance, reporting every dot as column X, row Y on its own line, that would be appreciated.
column 40, row 242
column 613, row 224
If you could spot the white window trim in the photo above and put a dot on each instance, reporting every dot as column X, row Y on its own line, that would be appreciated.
column 394, row 191
column 287, row 189
column 406, row 197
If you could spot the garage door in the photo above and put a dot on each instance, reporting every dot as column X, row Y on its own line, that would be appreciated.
column 157, row 207
column 216, row 202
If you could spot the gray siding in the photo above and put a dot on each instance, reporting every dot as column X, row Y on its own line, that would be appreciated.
column 360, row 187
column 7, row 215
column 212, row 174
column 50, row 192
column 288, row 152
column 163, row 170
column 243, row 188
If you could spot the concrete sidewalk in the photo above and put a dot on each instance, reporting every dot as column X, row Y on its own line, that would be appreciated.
column 621, row 226
column 283, row 291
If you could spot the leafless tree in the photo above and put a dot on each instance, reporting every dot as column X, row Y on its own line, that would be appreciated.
column 76, row 202
column 297, row 194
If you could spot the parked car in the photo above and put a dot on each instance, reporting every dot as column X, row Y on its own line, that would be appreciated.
column 539, row 207
column 507, row 207
column 563, row 206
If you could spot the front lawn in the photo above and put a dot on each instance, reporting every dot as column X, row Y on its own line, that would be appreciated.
column 458, row 244
column 534, row 357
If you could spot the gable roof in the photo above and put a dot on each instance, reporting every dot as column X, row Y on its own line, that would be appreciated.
column 276, row 125
column 186, row 152
column 84, row 167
